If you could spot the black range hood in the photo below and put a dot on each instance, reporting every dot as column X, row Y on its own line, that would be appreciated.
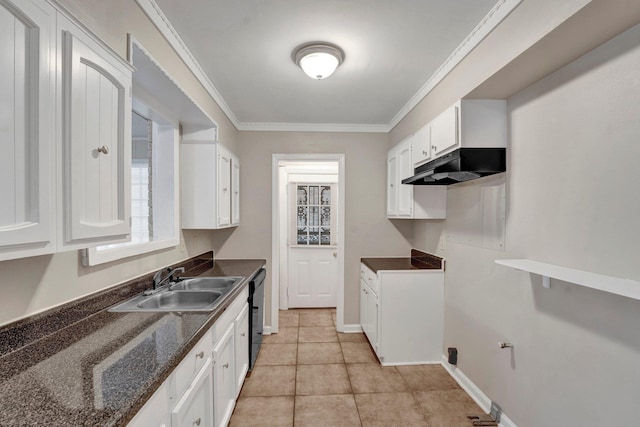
column 463, row 164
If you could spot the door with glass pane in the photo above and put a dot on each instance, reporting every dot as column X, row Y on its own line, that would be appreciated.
column 312, row 245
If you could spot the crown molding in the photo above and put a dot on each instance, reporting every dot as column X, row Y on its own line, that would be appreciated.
column 496, row 15
column 312, row 127
column 155, row 14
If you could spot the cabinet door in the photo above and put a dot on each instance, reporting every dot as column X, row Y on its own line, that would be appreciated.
column 194, row 408
column 235, row 191
column 372, row 319
column 392, row 189
column 96, row 141
column 224, row 394
column 224, row 187
column 241, row 328
column 445, row 132
column 27, row 101
column 363, row 308
column 405, row 170
column 155, row 413
column 422, row 146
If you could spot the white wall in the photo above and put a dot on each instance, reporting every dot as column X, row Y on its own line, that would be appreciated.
column 572, row 200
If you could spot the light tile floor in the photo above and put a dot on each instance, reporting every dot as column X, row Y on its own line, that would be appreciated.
column 309, row 375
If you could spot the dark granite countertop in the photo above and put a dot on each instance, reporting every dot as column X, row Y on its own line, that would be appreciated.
column 99, row 370
column 417, row 261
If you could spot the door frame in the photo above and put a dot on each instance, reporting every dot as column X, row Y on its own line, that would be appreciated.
column 276, row 232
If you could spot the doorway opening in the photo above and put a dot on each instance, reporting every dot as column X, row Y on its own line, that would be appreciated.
column 308, row 233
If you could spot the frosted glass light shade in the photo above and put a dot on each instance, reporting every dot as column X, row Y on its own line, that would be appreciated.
column 318, row 61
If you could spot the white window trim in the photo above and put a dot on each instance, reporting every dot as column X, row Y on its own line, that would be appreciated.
column 92, row 256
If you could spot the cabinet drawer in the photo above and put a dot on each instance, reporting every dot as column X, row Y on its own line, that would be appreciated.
column 370, row 278
column 363, row 272
column 228, row 317
column 193, row 362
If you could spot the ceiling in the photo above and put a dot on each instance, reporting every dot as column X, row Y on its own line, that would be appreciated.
column 392, row 48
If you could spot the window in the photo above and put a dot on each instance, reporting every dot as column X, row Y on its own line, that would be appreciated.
column 314, row 222
column 154, row 188
column 141, row 179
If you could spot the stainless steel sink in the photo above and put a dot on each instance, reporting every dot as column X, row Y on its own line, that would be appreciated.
column 192, row 294
column 207, row 283
column 180, row 301
column 172, row 301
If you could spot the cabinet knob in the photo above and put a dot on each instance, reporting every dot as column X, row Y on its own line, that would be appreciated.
column 226, row 365
column 224, row 189
column 197, row 422
column 104, row 149
column 390, row 185
column 200, row 355
column 243, row 334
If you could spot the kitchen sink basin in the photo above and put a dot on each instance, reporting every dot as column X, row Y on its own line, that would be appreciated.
column 191, row 294
column 172, row 301
column 207, row 283
column 181, row 300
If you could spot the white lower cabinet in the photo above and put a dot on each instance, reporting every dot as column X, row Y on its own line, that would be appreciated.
column 203, row 388
column 241, row 325
column 402, row 314
column 155, row 413
column 224, row 396
column 195, row 407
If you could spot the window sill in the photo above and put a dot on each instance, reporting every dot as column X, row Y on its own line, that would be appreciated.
column 93, row 256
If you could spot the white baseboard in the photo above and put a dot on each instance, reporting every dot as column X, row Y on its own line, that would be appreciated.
column 474, row 391
column 266, row 330
column 424, row 362
column 352, row 329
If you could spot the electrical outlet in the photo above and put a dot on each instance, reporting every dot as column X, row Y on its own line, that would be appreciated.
column 441, row 243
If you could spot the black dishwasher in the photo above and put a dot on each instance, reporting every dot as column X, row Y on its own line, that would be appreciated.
column 256, row 302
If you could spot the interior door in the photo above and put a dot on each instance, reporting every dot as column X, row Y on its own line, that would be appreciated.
column 313, row 263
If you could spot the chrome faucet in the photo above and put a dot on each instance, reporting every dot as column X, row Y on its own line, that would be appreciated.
column 158, row 281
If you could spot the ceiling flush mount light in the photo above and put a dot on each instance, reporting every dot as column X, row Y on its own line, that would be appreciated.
column 318, row 60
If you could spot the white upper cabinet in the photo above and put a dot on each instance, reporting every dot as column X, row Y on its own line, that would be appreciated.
column 422, row 145
column 409, row 201
column 235, row 190
column 96, row 141
column 65, row 157
column 224, row 186
column 392, row 183
column 405, row 170
column 470, row 123
column 208, row 181
column 27, row 104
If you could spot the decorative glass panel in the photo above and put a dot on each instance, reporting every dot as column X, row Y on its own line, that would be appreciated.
column 325, row 196
column 313, row 223
column 302, row 195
